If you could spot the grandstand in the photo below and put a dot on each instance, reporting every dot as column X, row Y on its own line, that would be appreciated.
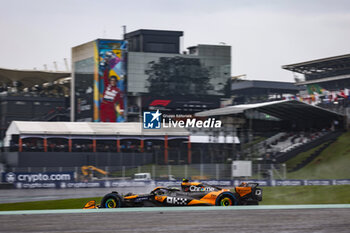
column 332, row 72
column 27, row 79
column 286, row 112
column 73, row 144
column 257, row 91
column 33, row 95
column 286, row 126
column 30, row 143
column 327, row 81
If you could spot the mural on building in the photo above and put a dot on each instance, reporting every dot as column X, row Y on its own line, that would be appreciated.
column 109, row 81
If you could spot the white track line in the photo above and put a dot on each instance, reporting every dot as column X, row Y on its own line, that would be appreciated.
column 165, row 209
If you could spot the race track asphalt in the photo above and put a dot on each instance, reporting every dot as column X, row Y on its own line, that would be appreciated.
column 185, row 219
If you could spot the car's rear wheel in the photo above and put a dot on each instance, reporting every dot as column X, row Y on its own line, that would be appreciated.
column 111, row 200
column 226, row 200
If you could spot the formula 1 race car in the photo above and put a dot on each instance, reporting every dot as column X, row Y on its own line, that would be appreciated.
column 191, row 194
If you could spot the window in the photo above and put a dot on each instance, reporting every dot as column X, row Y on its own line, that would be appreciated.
column 161, row 47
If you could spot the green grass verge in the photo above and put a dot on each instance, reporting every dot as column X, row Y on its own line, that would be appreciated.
column 332, row 163
column 287, row 195
column 292, row 195
column 49, row 205
column 293, row 162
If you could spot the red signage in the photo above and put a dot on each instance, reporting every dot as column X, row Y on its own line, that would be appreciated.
column 160, row 103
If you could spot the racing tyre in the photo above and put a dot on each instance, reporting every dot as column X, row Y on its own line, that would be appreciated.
column 111, row 200
column 226, row 200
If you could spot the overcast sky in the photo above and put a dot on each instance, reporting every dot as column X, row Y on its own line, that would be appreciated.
column 264, row 35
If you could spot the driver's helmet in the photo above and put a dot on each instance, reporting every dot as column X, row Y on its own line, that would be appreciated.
column 160, row 192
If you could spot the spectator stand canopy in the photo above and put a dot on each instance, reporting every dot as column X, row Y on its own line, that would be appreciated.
column 271, row 86
column 323, row 70
column 29, row 78
column 289, row 110
column 257, row 91
column 90, row 130
column 93, row 131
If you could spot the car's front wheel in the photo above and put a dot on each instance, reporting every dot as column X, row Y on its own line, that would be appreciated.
column 111, row 200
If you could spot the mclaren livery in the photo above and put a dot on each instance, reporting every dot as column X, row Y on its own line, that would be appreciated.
column 191, row 194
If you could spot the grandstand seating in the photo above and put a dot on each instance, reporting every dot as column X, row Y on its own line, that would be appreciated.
column 287, row 142
column 316, row 140
column 275, row 147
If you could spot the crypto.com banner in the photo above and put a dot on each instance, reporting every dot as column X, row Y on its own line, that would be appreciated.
column 14, row 177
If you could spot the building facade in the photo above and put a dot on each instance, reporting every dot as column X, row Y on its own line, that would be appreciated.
column 98, row 81
column 151, row 73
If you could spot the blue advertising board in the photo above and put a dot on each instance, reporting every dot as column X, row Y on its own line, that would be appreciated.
column 37, row 180
column 65, row 180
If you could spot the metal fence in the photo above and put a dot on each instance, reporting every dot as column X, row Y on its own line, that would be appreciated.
column 166, row 172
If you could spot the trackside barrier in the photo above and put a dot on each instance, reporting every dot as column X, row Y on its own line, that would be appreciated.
column 67, row 183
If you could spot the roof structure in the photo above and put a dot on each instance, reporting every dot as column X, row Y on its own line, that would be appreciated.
column 264, row 84
column 153, row 32
column 282, row 109
column 31, row 77
column 319, row 65
column 324, row 80
column 337, row 67
column 89, row 130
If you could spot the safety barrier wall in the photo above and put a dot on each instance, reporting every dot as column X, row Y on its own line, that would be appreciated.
column 163, row 172
column 64, row 180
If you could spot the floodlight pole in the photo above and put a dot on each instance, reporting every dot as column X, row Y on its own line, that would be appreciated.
column 66, row 64
column 55, row 65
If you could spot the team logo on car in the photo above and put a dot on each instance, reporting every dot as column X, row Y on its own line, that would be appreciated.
column 201, row 189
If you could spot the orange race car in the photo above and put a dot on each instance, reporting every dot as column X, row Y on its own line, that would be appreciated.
column 191, row 194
